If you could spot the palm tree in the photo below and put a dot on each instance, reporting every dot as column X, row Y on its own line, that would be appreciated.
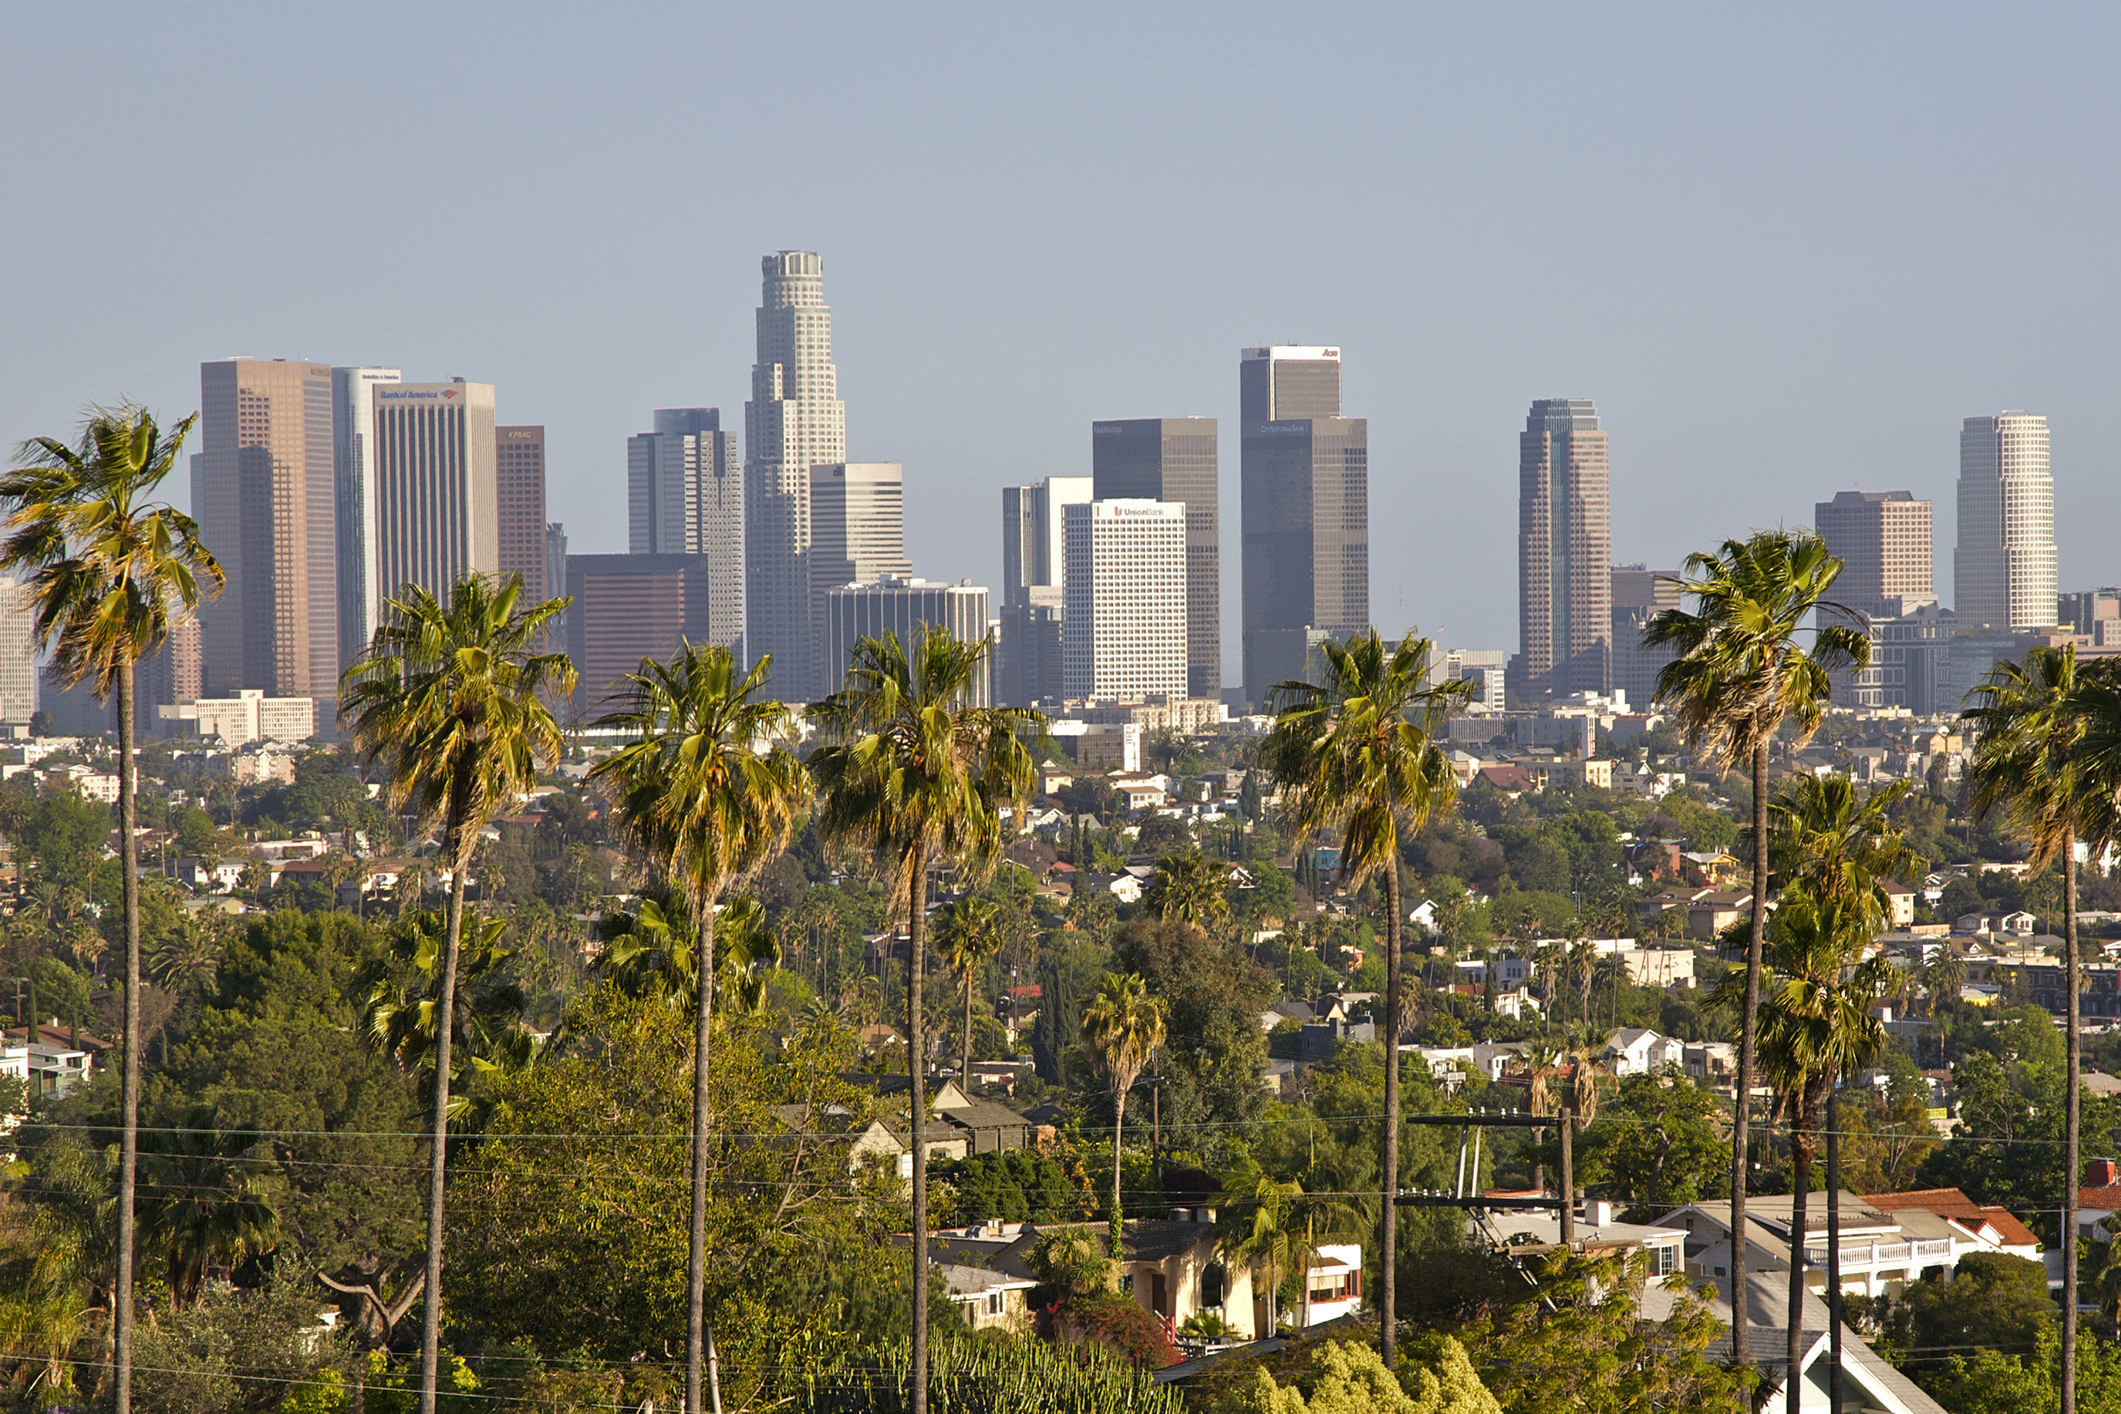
column 108, row 569
column 401, row 1000
column 1360, row 753
column 651, row 950
column 1256, row 1216
column 708, row 790
column 184, row 957
column 1122, row 1027
column 970, row 936
column 452, row 698
column 1565, row 1083
column 1815, row 1027
column 1740, row 674
column 913, row 772
column 2034, row 762
column 202, row 1201
column 1189, row 888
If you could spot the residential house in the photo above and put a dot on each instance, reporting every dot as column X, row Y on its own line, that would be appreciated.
column 1171, row 1266
column 1881, row 1251
column 1996, row 1228
column 1632, row 1050
column 989, row 1300
column 208, row 875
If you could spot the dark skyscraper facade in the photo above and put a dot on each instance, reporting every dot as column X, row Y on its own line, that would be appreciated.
column 1174, row 459
column 1564, row 552
column 1305, row 486
column 519, row 507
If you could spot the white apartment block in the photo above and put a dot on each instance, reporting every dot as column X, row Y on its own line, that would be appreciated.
column 2005, row 571
column 18, row 657
column 244, row 718
column 1123, row 624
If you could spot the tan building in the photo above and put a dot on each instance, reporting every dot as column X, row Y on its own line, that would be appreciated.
column 1565, row 552
column 437, row 493
column 264, row 497
column 519, row 502
column 857, row 536
column 1882, row 539
column 626, row 608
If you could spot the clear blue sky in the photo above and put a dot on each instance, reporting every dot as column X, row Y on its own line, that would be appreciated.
column 1785, row 248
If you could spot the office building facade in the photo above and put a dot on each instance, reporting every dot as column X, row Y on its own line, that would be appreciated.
column 1027, row 651
column 519, row 507
column 685, row 496
column 18, row 656
column 263, row 493
column 902, row 605
column 2005, row 570
column 1174, row 459
column 437, row 491
column 1565, row 551
column 1882, row 539
column 857, row 536
column 627, row 608
column 353, row 419
column 794, row 420
column 1639, row 595
column 1032, row 551
column 1123, row 625
column 1304, row 487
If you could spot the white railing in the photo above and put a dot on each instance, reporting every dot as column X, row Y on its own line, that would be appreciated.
column 1882, row 1254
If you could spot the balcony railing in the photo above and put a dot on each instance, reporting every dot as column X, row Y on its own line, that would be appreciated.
column 1856, row 1255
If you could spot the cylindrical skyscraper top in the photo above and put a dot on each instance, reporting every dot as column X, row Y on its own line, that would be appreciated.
column 793, row 277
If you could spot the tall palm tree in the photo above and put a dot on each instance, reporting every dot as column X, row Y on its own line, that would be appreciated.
column 1122, row 1027
column 202, row 1201
column 707, row 789
column 107, row 569
column 1815, row 1027
column 2033, row 761
column 652, row 950
column 1189, row 888
column 1360, row 753
column 1256, row 1216
column 912, row 771
column 451, row 697
column 1739, row 675
column 970, row 936
column 1565, row 1083
column 401, row 1001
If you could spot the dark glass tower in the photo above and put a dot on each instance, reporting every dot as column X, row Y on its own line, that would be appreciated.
column 1174, row 459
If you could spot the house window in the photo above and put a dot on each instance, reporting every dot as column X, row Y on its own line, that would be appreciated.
column 1663, row 1261
column 994, row 1303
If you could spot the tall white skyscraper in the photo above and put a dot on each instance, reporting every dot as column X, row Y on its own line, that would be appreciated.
column 437, row 486
column 685, row 496
column 857, row 535
column 793, row 421
column 2004, row 573
column 1123, row 624
column 353, row 421
column 18, row 656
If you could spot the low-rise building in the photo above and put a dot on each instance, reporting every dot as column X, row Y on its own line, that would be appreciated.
column 246, row 717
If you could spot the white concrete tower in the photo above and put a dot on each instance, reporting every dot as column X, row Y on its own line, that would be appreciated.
column 1123, row 625
column 2005, row 573
column 793, row 421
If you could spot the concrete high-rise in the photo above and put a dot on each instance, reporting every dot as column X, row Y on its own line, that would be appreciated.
column 1882, row 539
column 264, row 497
column 1174, row 459
column 556, row 572
column 2005, row 573
column 857, row 535
column 18, row 655
column 627, row 608
column 1031, row 533
column 902, row 605
column 1123, row 628
column 685, row 496
column 437, row 491
column 353, row 422
column 1639, row 595
column 794, row 420
column 1305, row 489
column 1564, row 551
column 519, row 501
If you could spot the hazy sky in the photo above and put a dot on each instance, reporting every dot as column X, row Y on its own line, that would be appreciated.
column 1785, row 248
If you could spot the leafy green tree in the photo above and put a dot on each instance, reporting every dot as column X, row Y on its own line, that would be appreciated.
column 913, row 774
column 1360, row 753
column 1212, row 996
column 109, row 569
column 1122, row 1027
column 1990, row 1301
column 1347, row 1378
column 201, row 1201
column 1658, row 1146
column 1738, row 675
column 453, row 699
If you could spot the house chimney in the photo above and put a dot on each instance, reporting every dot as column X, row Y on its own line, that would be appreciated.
column 2102, row 1173
column 1597, row 1212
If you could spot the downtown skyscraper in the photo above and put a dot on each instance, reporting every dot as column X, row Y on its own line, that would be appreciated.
column 353, row 418
column 1305, row 489
column 1564, row 552
column 2005, row 573
column 685, row 496
column 793, row 421
column 1174, row 459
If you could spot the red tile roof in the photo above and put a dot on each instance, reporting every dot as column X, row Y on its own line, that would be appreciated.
column 1954, row 1204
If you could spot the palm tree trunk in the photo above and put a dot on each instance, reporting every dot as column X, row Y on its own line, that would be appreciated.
column 1801, row 1171
column 459, row 831
column 1833, row 1242
column 964, row 1075
column 1568, row 1165
column 129, row 1150
column 696, row 1259
column 1740, row 1345
column 1117, row 1236
column 917, row 1112
column 2072, row 1121
column 1388, row 1222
